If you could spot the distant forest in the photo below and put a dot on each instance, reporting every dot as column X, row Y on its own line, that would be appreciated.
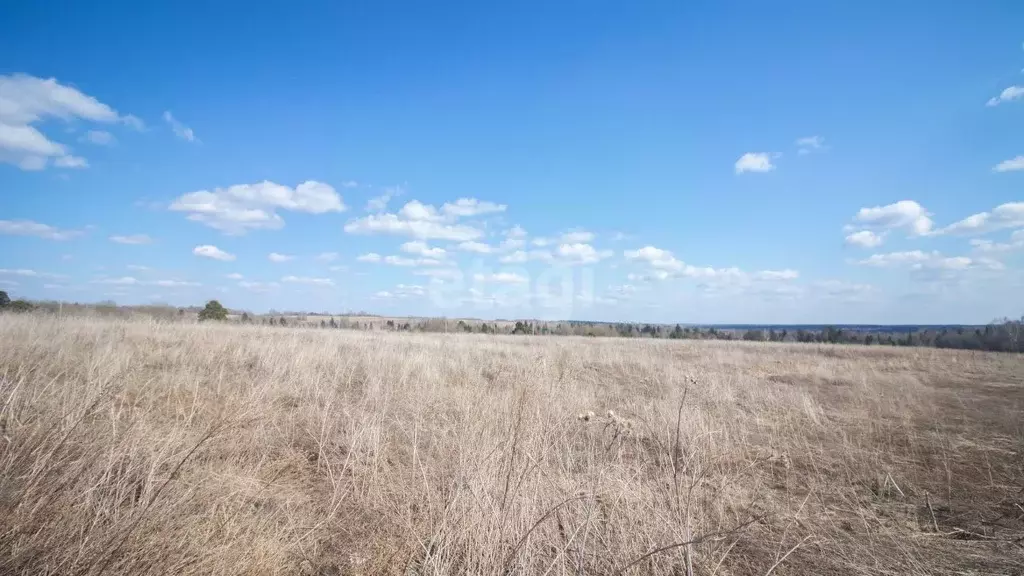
column 999, row 336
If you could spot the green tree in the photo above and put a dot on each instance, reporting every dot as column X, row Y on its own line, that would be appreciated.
column 5, row 300
column 213, row 311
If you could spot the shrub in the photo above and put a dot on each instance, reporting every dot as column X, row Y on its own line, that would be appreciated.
column 213, row 311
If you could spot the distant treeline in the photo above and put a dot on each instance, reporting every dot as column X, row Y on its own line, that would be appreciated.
column 999, row 336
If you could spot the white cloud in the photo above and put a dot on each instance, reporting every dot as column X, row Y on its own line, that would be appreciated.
column 10, row 283
column 905, row 214
column 809, row 144
column 416, row 210
column 516, row 231
column 371, row 257
column 26, row 100
column 465, row 207
column 327, row 257
column 258, row 286
column 275, row 257
column 380, row 203
column 840, row 288
column 440, row 273
column 99, row 137
column 1007, row 95
column 208, row 251
column 577, row 237
column 401, row 291
column 421, row 229
column 137, row 267
column 70, row 161
column 403, row 261
column 501, row 278
column 172, row 283
column 180, row 130
column 242, row 207
column 656, row 257
column 919, row 260
column 1011, row 165
column 511, row 243
column 1016, row 242
column 30, row 228
column 307, row 280
column 420, row 248
column 123, row 281
column 580, row 253
column 1009, row 215
column 786, row 274
column 234, row 276
column 132, row 239
column 30, row 273
column 478, row 247
column 754, row 162
column 864, row 239
column 521, row 256
column 338, row 268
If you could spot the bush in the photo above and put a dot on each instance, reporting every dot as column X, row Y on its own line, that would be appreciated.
column 5, row 300
column 20, row 306
column 213, row 311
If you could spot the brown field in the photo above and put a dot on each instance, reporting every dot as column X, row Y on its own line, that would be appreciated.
column 145, row 448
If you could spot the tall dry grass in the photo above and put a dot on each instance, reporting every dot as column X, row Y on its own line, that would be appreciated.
column 145, row 448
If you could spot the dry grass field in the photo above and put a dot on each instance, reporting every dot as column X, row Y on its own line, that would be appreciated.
column 145, row 448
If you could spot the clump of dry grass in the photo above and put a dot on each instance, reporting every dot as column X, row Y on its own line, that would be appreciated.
column 145, row 448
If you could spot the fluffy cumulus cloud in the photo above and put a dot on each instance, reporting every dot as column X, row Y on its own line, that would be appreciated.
column 1008, row 95
column 577, row 237
column 754, row 162
column 656, row 257
column 208, row 251
column 864, row 239
column 39, row 230
column 466, row 207
column 275, row 257
column 664, row 265
column 904, row 215
column 1012, row 165
column 369, row 257
column 132, row 239
column 477, row 247
column 380, row 203
column 581, row 253
column 1009, row 215
column 26, row 101
column 522, row 256
column 420, row 248
column 1016, row 242
column 243, row 207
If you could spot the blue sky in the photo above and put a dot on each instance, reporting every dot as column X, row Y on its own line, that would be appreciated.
column 655, row 161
